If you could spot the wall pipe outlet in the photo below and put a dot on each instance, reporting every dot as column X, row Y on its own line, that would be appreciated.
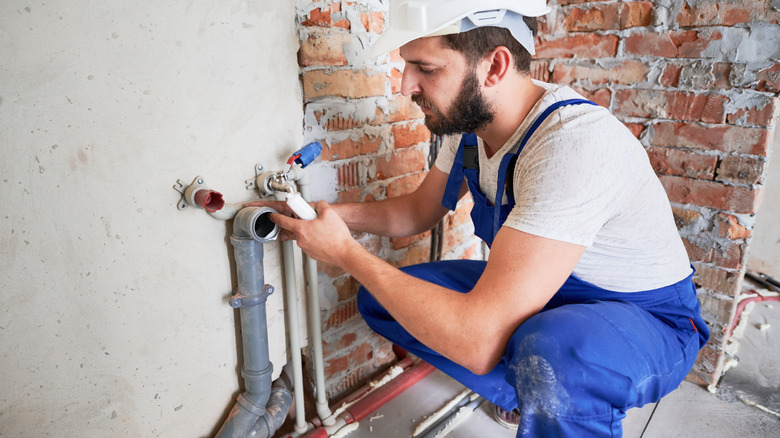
column 255, row 413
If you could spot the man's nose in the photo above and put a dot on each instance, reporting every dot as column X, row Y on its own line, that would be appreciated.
column 409, row 84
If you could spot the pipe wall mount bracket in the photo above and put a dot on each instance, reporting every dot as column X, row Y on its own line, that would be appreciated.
column 238, row 300
column 197, row 193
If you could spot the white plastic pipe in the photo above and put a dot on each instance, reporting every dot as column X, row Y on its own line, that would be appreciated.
column 291, row 295
column 315, row 324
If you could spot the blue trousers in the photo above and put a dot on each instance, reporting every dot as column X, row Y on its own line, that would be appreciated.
column 574, row 368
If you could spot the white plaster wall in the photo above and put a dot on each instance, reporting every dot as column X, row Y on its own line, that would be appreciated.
column 113, row 304
column 765, row 246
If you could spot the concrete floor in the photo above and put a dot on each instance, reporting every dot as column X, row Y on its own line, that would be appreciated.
column 688, row 411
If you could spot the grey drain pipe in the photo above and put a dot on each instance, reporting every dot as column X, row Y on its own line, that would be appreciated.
column 261, row 409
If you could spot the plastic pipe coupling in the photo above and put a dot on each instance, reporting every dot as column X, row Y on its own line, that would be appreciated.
column 256, row 223
column 199, row 194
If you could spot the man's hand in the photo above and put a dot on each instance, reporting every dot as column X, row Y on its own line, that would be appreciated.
column 326, row 238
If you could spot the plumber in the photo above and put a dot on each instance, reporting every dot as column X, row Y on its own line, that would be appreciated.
column 585, row 306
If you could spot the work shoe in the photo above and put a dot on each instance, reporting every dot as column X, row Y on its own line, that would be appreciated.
column 508, row 419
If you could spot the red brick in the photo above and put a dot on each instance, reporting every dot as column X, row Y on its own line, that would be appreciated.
column 351, row 195
column 540, row 70
column 346, row 287
column 583, row 45
column 400, row 108
column 336, row 365
column 608, row 16
column 338, row 122
column 709, row 363
column 769, row 79
column 405, row 242
column 600, row 96
column 742, row 170
column 395, row 56
column 350, row 147
column 636, row 128
column 710, row 194
column 399, row 163
column 684, row 217
column 670, row 76
column 461, row 216
column 730, row 228
column 722, row 73
column 668, row 161
column 323, row 49
column 762, row 113
column 322, row 18
column 318, row 17
column 677, row 44
column 714, row 278
column 720, row 310
column 350, row 175
column 332, row 271
column 361, row 194
column 715, row 75
column 404, row 185
column 341, row 314
column 454, row 238
column 729, row 139
column 343, row 83
column 675, row 105
column 625, row 72
column 635, row 14
column 720, row 13
column 600, row 17
column 415, row 254
column 396, row 77
column 576, row 2
column 361, row 354
column 410, row 134
column 727, row 255
column 373, row 21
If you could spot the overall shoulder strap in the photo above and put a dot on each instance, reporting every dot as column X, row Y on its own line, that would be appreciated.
column 504, row 167
column 466, row 157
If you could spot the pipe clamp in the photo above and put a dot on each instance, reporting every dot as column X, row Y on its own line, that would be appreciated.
column 238, row 300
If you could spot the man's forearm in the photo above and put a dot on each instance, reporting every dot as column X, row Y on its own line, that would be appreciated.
column 442, row 319
column 405, row 215
column 390, row 217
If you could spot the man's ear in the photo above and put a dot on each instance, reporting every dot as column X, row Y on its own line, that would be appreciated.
column 499, row 63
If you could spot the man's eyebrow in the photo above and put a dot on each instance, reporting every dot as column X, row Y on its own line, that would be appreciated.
column 419, row 62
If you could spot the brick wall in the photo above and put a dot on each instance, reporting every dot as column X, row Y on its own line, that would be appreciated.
column 376, row 147
column 697, row 83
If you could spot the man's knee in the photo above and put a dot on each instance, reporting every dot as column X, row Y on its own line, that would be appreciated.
column 555, row 372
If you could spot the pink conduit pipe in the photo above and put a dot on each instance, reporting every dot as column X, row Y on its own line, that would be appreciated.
column 750, row 297
column 378, row 398
column 370, row 398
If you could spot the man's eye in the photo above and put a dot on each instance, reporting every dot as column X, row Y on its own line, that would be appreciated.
column 426, row 70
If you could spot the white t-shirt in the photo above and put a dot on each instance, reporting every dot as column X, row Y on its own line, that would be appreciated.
column 584, row 178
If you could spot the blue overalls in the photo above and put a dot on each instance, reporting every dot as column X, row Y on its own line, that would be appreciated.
column 574, row 368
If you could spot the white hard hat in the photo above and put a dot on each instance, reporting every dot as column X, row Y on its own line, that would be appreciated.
column 412, row 19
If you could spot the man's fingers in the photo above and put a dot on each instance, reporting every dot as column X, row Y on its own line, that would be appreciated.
column 283, row 221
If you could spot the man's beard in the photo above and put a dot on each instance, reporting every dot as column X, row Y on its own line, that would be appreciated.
column 469, row 111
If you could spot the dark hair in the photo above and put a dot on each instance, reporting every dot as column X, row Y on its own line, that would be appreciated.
column 478, row 43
